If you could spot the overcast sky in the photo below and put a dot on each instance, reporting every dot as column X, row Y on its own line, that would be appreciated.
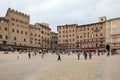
column 60, row 12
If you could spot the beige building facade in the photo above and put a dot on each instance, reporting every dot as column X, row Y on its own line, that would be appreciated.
column 54, row 41
column 18, row 28
column 91, row 36
column 40, row 35
column 3, row 32
column 113, row 34
column 86, row 37
column 16, row 32
column 67, row 36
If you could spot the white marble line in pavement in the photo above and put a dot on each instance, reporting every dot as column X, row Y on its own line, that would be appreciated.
column 38, row 71
column 100, row 71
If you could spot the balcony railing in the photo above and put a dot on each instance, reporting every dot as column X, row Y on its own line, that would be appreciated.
column 115, row 34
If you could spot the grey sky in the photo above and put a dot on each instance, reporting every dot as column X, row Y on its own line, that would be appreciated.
column 60, row 12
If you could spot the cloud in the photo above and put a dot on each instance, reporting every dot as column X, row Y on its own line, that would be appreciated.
column 57, row 12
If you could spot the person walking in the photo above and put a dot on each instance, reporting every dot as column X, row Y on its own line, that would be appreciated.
column 78, row 56
column 29, row 55
column 98, row 53
column 85, row 55
column 108, row 54
column 18, row 57
column 90, row 55
column 59, row 57
column 42, row 56
column 35, row 53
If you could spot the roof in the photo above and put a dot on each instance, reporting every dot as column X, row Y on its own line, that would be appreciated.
column 3, row 18
column 44, row 26
column 113, row 19
column 17, row 12
column 90, row 24
column 67, row 25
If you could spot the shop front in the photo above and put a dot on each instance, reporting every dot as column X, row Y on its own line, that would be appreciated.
column 115, row 50
column 94, row 50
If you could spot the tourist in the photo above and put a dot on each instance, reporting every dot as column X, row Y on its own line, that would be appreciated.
column 108, row 54
column 35, row 53
column 18, row 57
column 29, row 55
column 85, row 55
column 78, row 56
column 59, row 58
column 42, row 56
column 98, row 54
column 90, row 55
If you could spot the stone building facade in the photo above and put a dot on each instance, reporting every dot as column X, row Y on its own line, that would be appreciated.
column 3, row 32
column 16, row 32
column 113, row 34
column 40, row 35
column 18, row 28
column 67, row 36
column 91, row 36
column 54, row 41
column 86, row 37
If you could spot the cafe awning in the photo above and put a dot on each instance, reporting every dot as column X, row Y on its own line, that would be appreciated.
column 89, row 48
column 19, row 47
column 115, row 47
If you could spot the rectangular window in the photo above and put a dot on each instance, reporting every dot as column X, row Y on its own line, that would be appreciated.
column 6, row 37
column 12, row 23
column 14, row 38
column 25, row 33
column 4, row 42
column 12, row 30
column 73, row 35
column 17, row 31
column 0, row 36
column 88, row 28
column 80, row 29
column 31, row 34
column 96, row 35
column 84, row 29
column 5, row 29
column 17, row 25
column 12, row 19
column 21, row 32
column 66, row 35
column 14, row 43
column 24, row 40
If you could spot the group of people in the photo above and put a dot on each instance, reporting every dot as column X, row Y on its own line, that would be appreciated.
column 35, row 53
column 85, row 54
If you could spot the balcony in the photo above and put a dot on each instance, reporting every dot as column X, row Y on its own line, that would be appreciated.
column 115, row 34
